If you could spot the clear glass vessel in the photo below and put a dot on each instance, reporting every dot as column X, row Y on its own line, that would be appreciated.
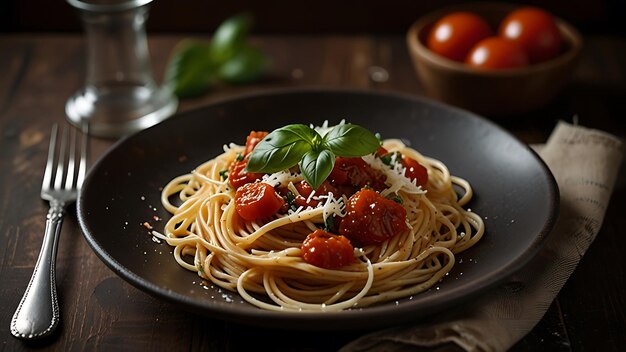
column 120, row 95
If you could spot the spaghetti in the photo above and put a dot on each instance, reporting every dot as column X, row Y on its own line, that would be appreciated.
column 263, row 260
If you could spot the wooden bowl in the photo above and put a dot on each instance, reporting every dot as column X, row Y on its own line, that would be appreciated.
column 491, row 92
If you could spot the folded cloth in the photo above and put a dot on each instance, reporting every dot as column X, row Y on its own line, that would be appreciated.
column 585, row 163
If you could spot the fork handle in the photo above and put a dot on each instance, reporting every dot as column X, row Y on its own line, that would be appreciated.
column 37, row 315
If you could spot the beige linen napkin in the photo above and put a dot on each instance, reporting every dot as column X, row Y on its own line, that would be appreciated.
column 585, row 163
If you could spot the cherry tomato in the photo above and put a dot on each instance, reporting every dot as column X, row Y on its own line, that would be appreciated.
column 252, row 140
column 371, row 218
column 326, row 250
column 455, row 34
column 497, row 53
column 238, row 176
column 255, row 201
column 415, row 171
column 535, row 30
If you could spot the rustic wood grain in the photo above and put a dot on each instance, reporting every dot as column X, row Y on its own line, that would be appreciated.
column 101, row 311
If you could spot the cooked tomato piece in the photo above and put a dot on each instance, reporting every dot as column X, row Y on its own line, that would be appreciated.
column 338, row 175
column 255, row 201
column 305, row 190
column 415, row 171
column 326, row 250
column 371, row 218
column 381, row 151
column 238, row 176
column 252, row 140
column 356, row 172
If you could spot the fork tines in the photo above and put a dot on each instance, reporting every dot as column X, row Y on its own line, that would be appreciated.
column 63, row 153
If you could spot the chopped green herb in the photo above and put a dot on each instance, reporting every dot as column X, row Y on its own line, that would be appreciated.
column 291, row 198
column 239, row 157
column 389, row 158
column 329, row 224
column 386, row 159
column 395, row 198
column 224, row 174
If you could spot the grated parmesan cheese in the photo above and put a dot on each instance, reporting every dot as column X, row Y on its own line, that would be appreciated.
column 282, row 178
column 395, row 176
column 333, row 206
column 324, row 128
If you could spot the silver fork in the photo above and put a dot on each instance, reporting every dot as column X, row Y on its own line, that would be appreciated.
column 37, row 315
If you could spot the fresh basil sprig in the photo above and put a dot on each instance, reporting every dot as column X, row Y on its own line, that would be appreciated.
column 301, row 145
column 196, row 66
column 189, row 72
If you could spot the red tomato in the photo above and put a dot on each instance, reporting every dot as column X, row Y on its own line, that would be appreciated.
column 356, row 172
column 371, row 218
column 535, row 30
column 455, row 34
column 252, row 140
column 254, row 201
column 415, row 171
column 326, row 250
column 497, row 53
column 238, row 176
column 305, row 190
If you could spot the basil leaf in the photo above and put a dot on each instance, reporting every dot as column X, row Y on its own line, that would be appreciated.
column 246, row 65
column 269, row 159
column 316, row 165
column 229, row 36
column 188, row 73
column 282, row 148
column 303, row 132
column 351, row 141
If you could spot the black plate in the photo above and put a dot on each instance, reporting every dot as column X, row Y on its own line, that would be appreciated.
column 514, row 192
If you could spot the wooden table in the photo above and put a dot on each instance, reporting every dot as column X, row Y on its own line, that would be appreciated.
column 101, row 311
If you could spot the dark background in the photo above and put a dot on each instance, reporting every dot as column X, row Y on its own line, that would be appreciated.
column 100, row 311
column 298, row 17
